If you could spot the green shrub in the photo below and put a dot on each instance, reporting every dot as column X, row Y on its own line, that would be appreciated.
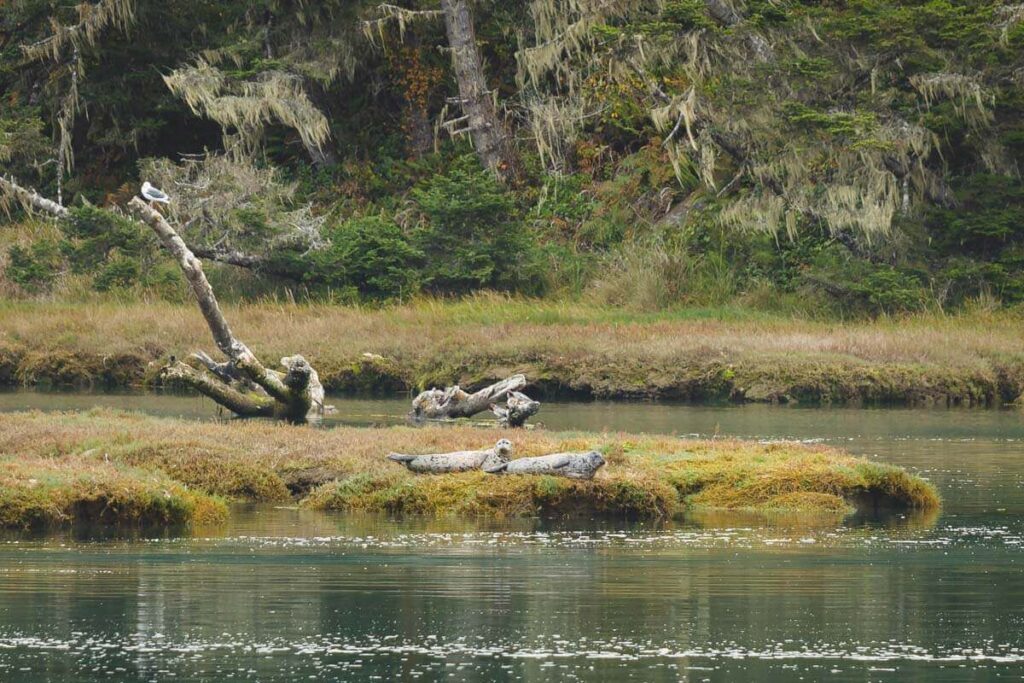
column 33, row 268
column 119, row 272
column 473, row 236
column 370, row 255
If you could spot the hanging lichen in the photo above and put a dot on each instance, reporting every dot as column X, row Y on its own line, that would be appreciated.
column 245, row 108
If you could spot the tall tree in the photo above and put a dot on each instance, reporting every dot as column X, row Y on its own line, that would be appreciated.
column 480, row 118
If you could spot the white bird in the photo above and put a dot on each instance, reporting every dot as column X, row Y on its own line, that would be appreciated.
column 152, row 194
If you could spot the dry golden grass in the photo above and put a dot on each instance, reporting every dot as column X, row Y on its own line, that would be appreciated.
column 971, row 359
column 346, row 468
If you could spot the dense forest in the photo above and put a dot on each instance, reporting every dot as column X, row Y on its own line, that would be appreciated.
column 855, row 157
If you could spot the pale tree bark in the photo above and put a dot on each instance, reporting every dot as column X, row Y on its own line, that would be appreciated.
column 488, row 132
column 517, row 410
column 293, row 394
column 242, row 385
column 453, row 402
column 30, row 199
column 722, row 12
column 480, row 117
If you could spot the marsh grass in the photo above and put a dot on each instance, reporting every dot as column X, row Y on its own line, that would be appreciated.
column 46, row 492
column 345, row 469
column 692, row 354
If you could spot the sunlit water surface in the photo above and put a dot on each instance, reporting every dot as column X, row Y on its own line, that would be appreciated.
column 282, row 594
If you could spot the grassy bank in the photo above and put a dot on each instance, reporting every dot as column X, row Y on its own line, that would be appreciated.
column 696, row 355
column 129, row 467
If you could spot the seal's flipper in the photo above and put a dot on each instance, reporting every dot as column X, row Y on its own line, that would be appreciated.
column 562, row 462
column 497, row 468
column 398, row 457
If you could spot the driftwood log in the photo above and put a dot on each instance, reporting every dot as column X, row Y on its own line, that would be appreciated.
column 459, row 461
column 242, row 384
column 571, row 465
column 517, row 410
column 453, row 402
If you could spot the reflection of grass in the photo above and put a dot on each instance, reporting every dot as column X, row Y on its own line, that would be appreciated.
column 692, row 354
column 345, row 468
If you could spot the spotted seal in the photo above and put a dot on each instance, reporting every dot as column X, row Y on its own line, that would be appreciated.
column 572, row 465
column 460, row 461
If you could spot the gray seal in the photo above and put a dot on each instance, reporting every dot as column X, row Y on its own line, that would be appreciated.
column 572, row 465
column 459, row 461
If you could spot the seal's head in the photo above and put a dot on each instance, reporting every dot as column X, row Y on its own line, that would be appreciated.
column 299, row 372
column 503, row 449
column 500, row 456
column 594, row 460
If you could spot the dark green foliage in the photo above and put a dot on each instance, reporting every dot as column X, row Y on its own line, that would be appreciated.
column 34, row 268
column 843, row 77
column 687, row 14
column 473, row 235
column 119, row 272
column 94, row 235
column 370, row 255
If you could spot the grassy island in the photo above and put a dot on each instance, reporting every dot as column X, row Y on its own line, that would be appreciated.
column 129, row 468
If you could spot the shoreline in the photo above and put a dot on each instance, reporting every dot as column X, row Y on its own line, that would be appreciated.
column 567, row 351
column 62, row 469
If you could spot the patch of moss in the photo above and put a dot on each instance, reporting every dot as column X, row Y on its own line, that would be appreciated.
column 479, row 494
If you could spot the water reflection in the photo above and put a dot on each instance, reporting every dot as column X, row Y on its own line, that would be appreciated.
column 286, row 594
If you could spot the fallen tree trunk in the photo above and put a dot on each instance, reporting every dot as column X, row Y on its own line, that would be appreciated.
column 453, row 402
column 517, row 410
column 293, row 394
column 242, row 385
column 31, row 199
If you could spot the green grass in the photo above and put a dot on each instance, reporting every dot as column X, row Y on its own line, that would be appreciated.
column 133, row 460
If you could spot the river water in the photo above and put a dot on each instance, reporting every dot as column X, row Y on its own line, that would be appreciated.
column 282, row 594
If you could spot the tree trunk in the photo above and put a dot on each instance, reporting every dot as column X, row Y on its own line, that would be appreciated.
column 242, row 384
column 453, row 402
column 31, row 199
column 490, row 138
column 294, row 394
column 722, row 12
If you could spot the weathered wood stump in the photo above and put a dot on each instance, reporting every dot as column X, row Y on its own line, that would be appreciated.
column 517, row 410
column 571, row 465
column 459, row 461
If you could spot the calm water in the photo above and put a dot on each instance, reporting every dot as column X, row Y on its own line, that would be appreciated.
column 287, row 595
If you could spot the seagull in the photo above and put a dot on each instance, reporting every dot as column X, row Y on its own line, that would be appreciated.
column 154, row 195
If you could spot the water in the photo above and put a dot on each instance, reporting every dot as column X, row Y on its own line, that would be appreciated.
column 282, row 594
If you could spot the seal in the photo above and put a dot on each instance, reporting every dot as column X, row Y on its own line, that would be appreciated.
column 572, row 465
column 459, row 461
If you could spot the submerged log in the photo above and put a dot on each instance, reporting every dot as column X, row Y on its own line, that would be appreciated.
column 453, row 402
column 459, row 461
column 517, row 410
column 571, row 465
